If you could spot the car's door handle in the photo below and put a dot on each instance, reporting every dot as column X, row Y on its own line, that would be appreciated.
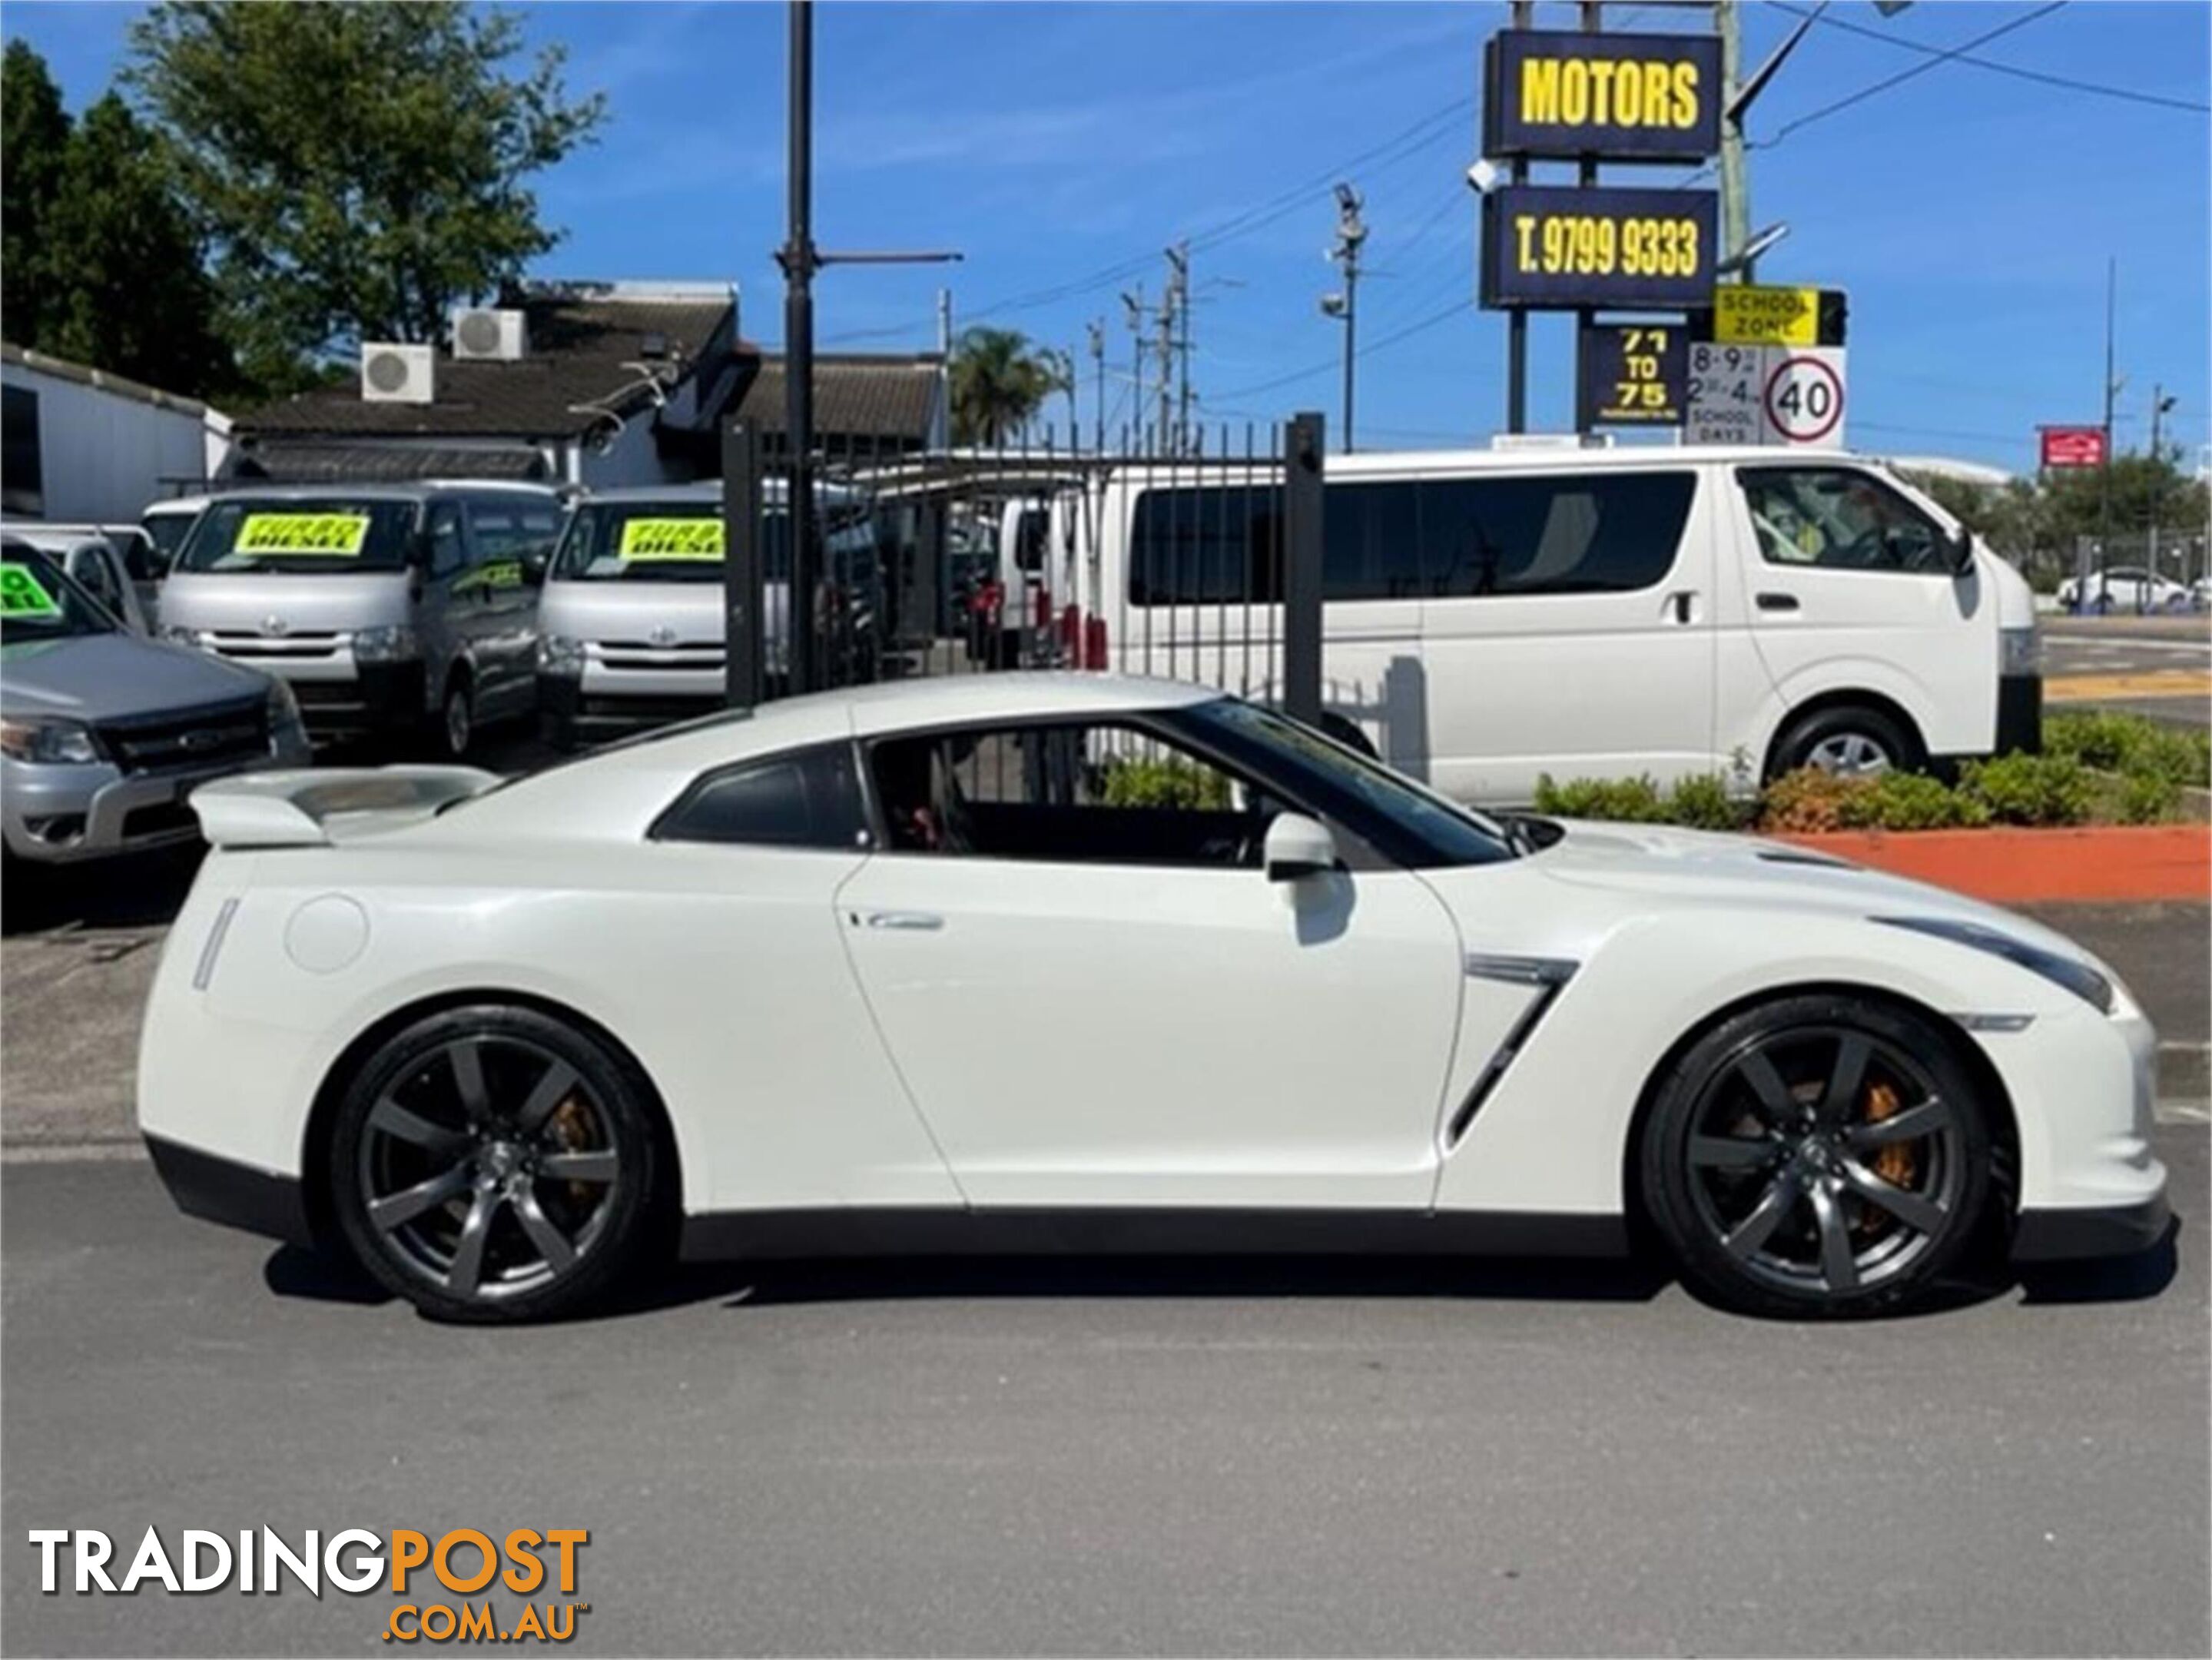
column 1777, row 602
column 1683, row 606
column 912, row 921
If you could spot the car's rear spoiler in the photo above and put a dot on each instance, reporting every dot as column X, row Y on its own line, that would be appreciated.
column 298, row 809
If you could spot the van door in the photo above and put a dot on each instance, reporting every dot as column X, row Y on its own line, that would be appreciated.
column 1852, row 592
column 504, row 621
column 1568, row 627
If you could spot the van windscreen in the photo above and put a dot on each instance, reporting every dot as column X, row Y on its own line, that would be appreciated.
column 300, row 536
column 673, row 541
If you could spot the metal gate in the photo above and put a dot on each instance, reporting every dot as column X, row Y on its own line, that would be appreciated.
column 1197, row 560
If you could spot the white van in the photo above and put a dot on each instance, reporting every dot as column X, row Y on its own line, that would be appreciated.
column 390, row 609
column 1490, row 617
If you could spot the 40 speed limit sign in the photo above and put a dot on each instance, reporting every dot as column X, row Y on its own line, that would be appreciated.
column 1804, row 398
column 1789, row 397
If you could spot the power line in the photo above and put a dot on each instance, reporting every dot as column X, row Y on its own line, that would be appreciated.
column 1940, row 57
column 1369, row 351
column 1417, row 136
column 2126, row 94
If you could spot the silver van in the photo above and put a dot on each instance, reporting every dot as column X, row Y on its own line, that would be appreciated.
column 631, row 618
column 104, row 734
column 387, row 608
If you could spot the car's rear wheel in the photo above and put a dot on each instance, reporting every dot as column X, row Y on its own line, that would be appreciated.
column 457, row 719
column 492, row 1163
column 1818, row 1155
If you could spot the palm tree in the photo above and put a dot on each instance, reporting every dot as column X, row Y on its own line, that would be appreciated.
column 999, row 382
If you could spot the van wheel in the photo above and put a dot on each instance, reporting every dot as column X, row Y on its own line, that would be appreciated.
column 1850, row 741
column 456, row 722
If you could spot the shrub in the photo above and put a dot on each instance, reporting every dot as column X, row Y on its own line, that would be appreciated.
column 1634, row 800
column 1808, row 801
column 2146, row 797
column 1703, row 802
column 2133, row 744
column 2030, row 789
column 1165, row 782
column 1914, row 801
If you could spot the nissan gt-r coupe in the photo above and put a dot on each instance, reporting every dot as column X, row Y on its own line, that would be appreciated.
column 1022, row 961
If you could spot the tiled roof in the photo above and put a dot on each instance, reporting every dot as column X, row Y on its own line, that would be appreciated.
column 292, row 461
column 577, row 350
column 854, row 397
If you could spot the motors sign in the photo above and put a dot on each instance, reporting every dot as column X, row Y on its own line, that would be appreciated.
column 1566, row 248
column 1625, row 97
column 2073, row 446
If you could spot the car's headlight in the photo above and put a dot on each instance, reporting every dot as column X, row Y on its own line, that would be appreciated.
column 561, row 656
column 393, row 643
column 2020, row 651
column 49, row 742
column 200, row 639
column 2078, row 978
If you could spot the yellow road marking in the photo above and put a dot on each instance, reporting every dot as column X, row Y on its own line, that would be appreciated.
column 2096, row 688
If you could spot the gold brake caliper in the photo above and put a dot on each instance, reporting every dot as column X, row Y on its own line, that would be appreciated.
column 1893, row 1162
column 572, row 1130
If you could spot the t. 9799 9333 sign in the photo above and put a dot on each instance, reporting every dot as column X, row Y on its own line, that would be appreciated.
column 1572, row 248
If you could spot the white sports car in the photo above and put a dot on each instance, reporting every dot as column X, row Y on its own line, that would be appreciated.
column 1083, row 962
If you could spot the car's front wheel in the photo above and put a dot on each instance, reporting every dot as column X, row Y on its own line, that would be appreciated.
column 1818, row 1155
column 493, row 1164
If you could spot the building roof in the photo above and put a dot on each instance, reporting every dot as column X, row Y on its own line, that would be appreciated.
column 317, row 460
column 121, row 385
column 854, row 396
column 584, row 342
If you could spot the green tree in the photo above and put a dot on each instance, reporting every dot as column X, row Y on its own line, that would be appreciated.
column 359, row 169
column 999, row 381
column 128, row 290
column 34, row 146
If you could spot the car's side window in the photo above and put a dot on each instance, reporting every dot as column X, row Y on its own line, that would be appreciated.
column 1084, row 793
column 1839, row 519
column 448, row 550
column 807, row 799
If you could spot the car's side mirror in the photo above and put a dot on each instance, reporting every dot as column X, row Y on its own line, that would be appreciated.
column 535, row 560
column 1298, row 847
column 1960, row 552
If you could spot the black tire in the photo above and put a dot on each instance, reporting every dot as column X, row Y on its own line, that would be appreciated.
column 558, row 732
column 1348, row 733
column 1809, row 738
column 422, row 1156
column 1762, row 1206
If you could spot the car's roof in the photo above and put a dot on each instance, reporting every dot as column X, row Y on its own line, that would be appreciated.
column 410, row 492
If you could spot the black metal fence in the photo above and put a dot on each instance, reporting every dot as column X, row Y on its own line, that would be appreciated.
column 1198, row 559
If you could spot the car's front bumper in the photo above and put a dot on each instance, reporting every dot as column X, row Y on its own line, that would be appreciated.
column 62, row 814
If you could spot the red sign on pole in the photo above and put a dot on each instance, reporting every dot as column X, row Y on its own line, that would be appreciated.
column 2073, row 446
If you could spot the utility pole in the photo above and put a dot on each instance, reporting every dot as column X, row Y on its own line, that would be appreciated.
column 800, row 259
column 1179, row 257
column 1133, row 305
column 1170, row 304
column 1344, row 304
column 1736, row 180
column 2112, row 391
column 1097, row 330
column 944, row 324
column 2160, row 406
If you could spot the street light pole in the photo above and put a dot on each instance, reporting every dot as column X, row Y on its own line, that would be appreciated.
column 1344, row 304
column 800, row 259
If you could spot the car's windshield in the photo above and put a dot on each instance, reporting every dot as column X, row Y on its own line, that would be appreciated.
column 37, row 602
column 682, row 540
column 321, row 535
column 1424, row 828
column 168, row 531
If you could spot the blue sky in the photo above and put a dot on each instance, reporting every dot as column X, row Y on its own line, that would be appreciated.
column 1968, row 212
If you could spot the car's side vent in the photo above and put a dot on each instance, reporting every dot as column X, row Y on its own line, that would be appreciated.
column 1549, row 975
column 1790, row 856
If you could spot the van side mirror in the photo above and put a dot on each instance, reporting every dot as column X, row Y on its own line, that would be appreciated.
column 535, row 560
column 1960, row 552
column 1298, row 847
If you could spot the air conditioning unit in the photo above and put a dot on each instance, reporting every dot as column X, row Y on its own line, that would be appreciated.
column 394, row 374
column 501, row 335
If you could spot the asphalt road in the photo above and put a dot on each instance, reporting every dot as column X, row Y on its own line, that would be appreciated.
column 2160, row 666
column 1179, row 1456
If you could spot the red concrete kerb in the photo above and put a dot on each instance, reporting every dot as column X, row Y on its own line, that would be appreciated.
column 2106, row 863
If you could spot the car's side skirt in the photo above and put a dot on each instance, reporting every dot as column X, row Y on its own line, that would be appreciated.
column 918, row 1231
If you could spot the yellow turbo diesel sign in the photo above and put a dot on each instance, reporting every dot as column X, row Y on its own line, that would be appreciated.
column 1636, row 97
column 335, row 535
column 670, row 539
